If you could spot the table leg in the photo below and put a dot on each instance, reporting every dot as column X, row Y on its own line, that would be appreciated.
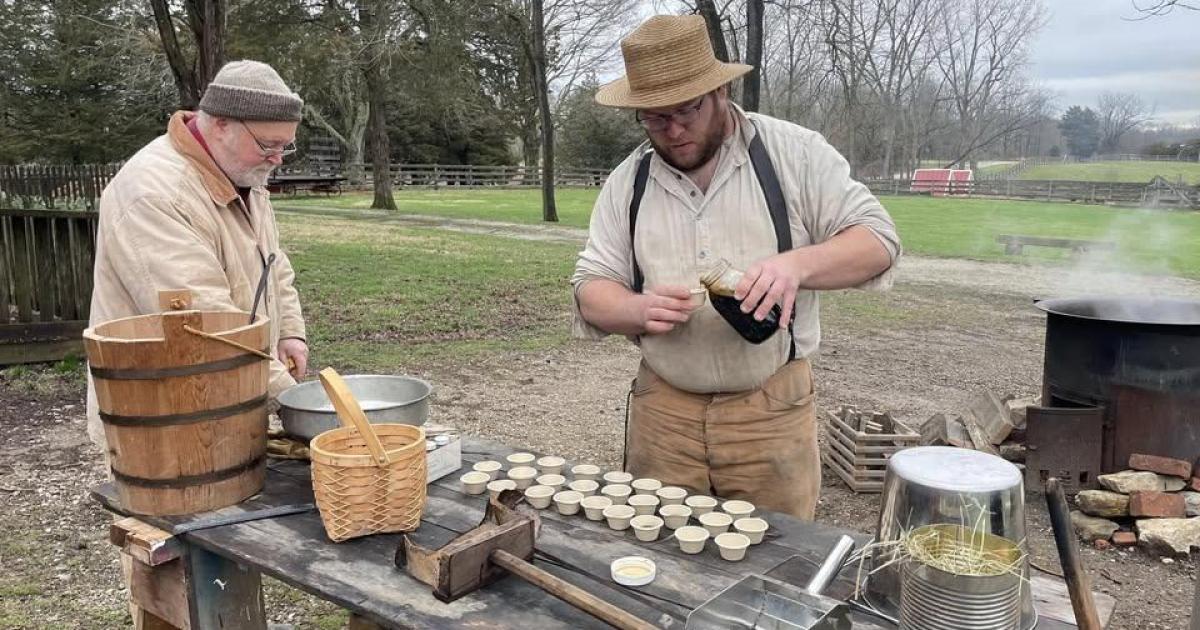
column 223, row 595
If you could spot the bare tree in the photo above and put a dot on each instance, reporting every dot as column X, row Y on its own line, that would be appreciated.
column 538, row 54
column 374, row 19
column 1120, row 113
column 754, row 54
column 204, row 21
column 1156, row 8
column 983, row 56
column 712, row 19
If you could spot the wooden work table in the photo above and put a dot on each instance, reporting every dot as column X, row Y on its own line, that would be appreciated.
column 360, row 575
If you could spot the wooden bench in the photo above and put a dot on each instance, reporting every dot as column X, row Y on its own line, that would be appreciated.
column 1014, row 244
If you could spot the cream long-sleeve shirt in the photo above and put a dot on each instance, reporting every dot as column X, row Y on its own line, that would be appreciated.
column 682, row 230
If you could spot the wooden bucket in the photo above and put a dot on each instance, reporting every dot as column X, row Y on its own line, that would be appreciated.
column 185, row 417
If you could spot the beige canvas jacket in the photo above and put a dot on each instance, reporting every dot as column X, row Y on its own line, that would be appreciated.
column 681, row 230
column 170, row 219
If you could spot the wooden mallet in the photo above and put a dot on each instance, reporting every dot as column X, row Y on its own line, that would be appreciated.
column 501, row 544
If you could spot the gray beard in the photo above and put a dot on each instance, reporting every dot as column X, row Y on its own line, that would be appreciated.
column 252, row 179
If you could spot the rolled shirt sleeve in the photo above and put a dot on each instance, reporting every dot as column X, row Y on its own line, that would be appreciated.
column 836, row 202
column 608, row 254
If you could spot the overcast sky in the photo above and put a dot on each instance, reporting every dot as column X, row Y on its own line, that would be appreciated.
column 1087, row 48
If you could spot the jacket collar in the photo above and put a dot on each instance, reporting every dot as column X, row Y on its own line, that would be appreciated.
column 215, row 181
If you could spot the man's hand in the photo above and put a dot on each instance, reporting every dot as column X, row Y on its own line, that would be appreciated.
column 662, row 308
column 771, row 281
column 297, row 351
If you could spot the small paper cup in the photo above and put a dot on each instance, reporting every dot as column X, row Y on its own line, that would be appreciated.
column 646, row 527
column 618, row 492
column 585, row 471
column 500, row 485
column 567, row 502
column 716, row 523
column 618, row 516
column 646, row 486
column 700, row 504
column 617, row 476
column 474, row 482
column 732, row 546
column 521, row 459
column 593, row 507
column 752, row 528
column 550, row 465
column 586, row 487
column 738, row 509
column 523, row 476
column 675, row 516
column 643, row 504
column 697, row 296
column 539, row 496
column 671, row 495
column 488, row 467
column 691, row 538
column 553, row 480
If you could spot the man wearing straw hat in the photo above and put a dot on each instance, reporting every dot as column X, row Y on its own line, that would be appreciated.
column 709, row 410
column 190, row 211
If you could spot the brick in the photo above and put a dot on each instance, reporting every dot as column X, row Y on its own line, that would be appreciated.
column 1161, row 465
column 1194, row 484
column 1157, row 505
column 1124, row 539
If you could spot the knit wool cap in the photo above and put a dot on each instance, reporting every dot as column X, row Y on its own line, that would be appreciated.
column 250, row 90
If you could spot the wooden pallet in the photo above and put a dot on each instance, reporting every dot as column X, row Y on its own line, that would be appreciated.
column 858, row 445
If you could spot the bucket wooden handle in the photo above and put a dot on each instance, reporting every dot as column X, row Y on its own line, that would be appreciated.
column 351, row 414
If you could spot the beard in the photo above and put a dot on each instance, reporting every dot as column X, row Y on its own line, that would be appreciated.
column 708, row 145
column 251, row 177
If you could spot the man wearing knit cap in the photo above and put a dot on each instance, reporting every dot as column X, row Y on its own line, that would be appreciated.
column 190, row 211
column 723, row 402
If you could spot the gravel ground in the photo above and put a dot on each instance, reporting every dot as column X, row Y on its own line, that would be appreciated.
column 974, row 328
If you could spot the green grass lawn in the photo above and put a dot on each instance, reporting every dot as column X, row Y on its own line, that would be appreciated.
column 1123, row 171
column 379, row 297
column 1147, row 241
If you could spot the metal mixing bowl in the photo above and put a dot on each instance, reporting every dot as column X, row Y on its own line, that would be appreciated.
column 928, row 485
column 306, row 411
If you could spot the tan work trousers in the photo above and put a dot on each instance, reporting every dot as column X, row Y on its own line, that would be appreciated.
column 758, row 445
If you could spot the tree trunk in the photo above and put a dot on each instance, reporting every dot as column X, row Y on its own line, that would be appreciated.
column 372, row 19
column 751, row 83
column 538, row 29
column 712, row 19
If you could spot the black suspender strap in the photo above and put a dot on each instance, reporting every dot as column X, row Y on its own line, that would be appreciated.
column 768, row 180
column 639, row 189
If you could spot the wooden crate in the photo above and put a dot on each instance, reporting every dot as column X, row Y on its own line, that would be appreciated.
column 858, row 445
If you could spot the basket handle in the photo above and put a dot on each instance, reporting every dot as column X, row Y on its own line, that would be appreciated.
column 351, row 414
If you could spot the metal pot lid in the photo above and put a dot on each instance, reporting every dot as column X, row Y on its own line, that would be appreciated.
column 954, row 469
column 1129, row 310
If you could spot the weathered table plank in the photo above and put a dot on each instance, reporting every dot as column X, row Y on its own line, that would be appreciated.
column 360, row 576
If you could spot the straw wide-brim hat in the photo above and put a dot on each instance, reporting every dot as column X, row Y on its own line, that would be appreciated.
column 668, row 60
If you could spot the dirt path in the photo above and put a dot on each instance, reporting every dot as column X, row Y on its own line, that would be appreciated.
column 949, row 327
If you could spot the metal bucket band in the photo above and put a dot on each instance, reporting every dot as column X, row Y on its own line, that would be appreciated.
column 190, row 417
column 111, row 374
column 190, row 480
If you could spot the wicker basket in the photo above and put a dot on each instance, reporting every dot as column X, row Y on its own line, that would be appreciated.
column 358, row 496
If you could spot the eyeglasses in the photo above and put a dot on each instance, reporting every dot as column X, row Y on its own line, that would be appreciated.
column 268, row 151
column 685, row 116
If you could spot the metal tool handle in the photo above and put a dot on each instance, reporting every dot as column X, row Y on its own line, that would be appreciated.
column 570, row 593
column 1079, row 585
column 832, row 565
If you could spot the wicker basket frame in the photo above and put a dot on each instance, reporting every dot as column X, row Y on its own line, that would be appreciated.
column 359, row 497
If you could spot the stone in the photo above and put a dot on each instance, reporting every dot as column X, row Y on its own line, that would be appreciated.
column 1161, row 465
column 1168, row 536
column 1101, row 545
column 1092, row 528
column 1194, row 484
column 1015, row 453
column 1130, row 481
column 1103, row 503
column 1191, row 501
column 1172, row 484
column 1124, row 539
column 1157, row 505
